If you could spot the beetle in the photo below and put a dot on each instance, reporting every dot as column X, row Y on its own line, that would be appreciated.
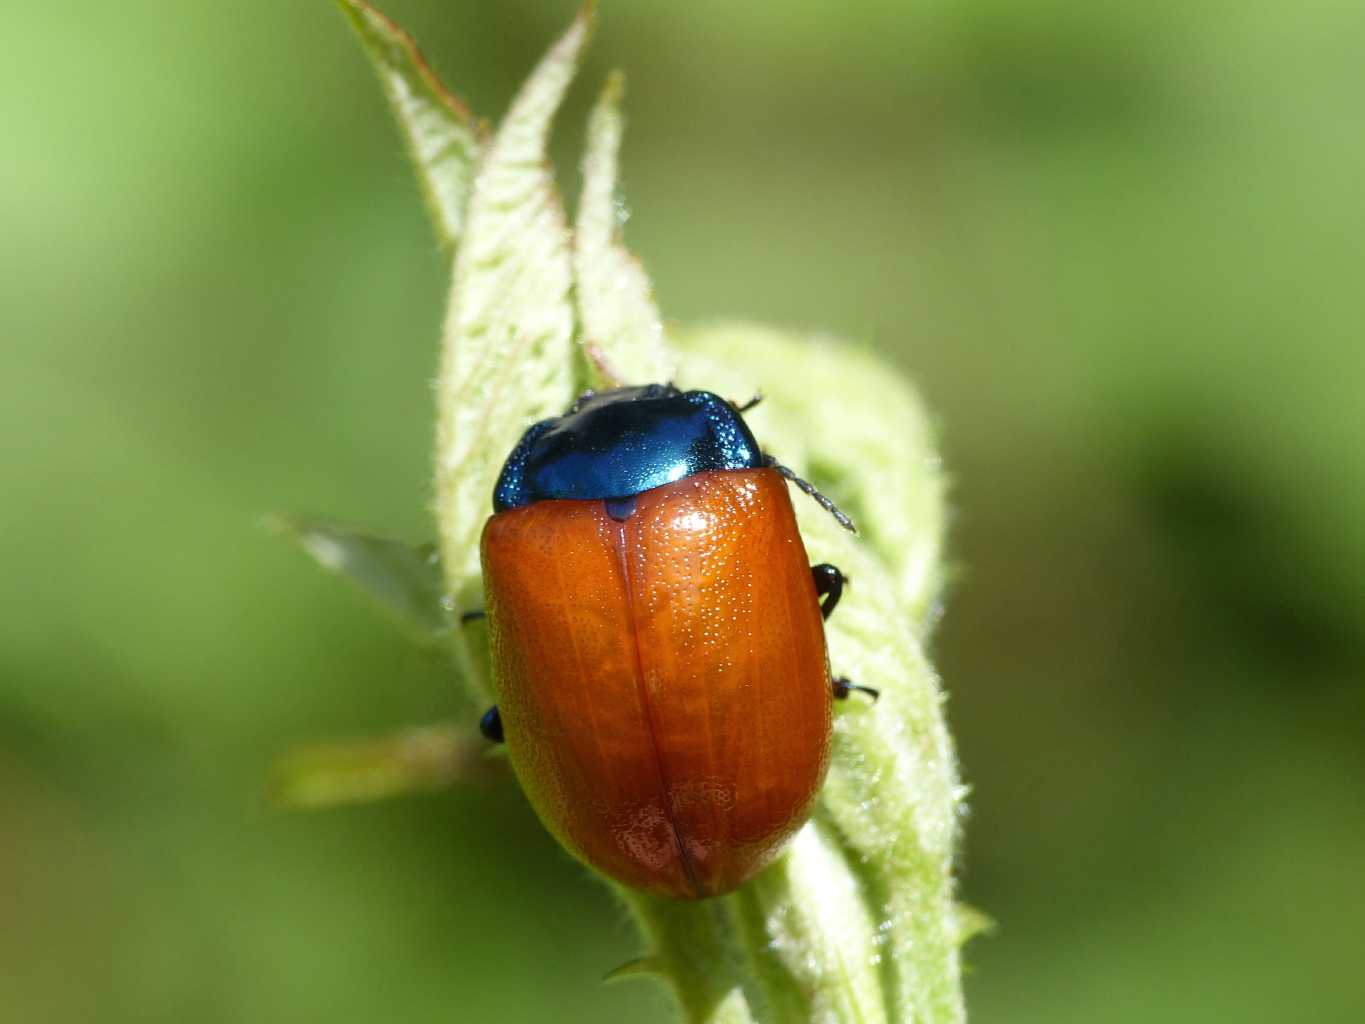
column 657, row 638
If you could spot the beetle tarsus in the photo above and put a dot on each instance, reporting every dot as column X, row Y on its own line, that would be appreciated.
column 842, row 689
column 491, row 725
column 758, row 397
column 829, row 586
column 467, row 617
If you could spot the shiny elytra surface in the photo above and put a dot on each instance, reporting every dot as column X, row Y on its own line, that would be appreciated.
column 662, row 679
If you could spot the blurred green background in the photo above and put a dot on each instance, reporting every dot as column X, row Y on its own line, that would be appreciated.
column 1117, row 246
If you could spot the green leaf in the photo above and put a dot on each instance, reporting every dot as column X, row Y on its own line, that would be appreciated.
column 415, row 760
column 857, row 922
column 442, row 138
column 972, row 922
column 404, row 580
column 640, row 967
column 507, row 356
column 622, row 329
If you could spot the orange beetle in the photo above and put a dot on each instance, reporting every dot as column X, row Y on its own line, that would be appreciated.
column 658, row 647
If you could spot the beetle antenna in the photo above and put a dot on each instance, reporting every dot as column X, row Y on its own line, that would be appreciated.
column 814, row 492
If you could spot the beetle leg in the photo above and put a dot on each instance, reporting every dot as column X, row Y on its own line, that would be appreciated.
column 842, row 688
column 491, row 725
column 829, row 585
column 467, row 617
column 746, row 406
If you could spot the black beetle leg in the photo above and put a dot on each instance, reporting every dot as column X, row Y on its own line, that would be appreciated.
column 467, row 617
column 745, row 407
column 491, row 725
column 829, row 584
column 842, row 688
